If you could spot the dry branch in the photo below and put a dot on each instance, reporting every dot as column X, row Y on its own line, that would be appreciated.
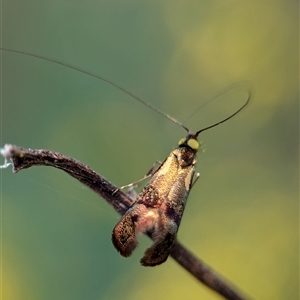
column 25, row 158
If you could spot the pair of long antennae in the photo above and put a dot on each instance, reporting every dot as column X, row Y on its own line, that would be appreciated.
column 128, row 92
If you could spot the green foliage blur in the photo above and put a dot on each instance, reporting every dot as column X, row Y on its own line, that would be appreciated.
column 242, row 216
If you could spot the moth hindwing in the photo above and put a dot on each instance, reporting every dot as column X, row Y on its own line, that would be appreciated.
column 159, row 207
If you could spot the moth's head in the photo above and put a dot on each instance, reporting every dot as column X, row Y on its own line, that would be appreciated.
column 190, row 141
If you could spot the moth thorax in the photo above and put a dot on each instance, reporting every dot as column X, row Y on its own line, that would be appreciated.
column 186, row 156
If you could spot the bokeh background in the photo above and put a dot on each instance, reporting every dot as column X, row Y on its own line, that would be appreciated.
column 242, row 216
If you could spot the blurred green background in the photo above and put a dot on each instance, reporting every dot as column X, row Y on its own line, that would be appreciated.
column 242, row 215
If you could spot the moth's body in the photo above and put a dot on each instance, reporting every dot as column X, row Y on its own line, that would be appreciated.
column 158, row 208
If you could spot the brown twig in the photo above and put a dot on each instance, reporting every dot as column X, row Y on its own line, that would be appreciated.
column 25, row 158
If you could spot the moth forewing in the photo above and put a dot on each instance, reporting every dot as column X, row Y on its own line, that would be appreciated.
column 159, row 207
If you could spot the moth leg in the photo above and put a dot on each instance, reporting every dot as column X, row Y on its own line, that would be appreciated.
column 154, row 168
column 149, row 174
column 131, row 186
column 131, row 193
column 195, row 179
column 135, row 183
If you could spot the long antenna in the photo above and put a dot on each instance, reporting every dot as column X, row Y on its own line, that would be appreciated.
column 101, row 78
column 124, row 90
column 226, row 119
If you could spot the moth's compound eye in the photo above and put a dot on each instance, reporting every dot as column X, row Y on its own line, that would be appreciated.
column 193, row 144
column 181, row 141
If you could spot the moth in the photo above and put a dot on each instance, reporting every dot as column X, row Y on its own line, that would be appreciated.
column 159, row 207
